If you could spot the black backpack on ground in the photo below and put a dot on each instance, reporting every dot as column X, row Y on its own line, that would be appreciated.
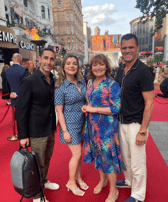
column 26, row 176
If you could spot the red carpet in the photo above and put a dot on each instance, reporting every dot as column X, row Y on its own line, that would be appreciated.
column 160, row 100
column 58, row 172
column 160, row 112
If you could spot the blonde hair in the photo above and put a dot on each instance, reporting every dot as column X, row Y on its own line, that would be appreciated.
column 61, row 73
column 98, row 59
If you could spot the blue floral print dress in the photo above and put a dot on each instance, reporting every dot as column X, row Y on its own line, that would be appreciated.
column 101, row 143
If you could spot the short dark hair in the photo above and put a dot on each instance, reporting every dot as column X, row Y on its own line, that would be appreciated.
column 128, row 37
column 46, row 49
column 24, row 60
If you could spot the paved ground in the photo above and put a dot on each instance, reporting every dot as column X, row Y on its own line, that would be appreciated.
column 159, row 132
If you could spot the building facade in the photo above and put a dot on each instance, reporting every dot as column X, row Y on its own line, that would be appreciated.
column 143, row 31
column 29, row 14
column 151, row 45
column 105, row 42
column 18, row 20
column 2, row 13
column 29, row 18
column 87, row 42
column 68, row 26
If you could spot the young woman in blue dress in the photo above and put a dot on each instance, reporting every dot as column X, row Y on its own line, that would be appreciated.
column 101, row 143
column 69, row 98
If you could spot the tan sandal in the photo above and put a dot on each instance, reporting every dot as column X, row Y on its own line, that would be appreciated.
column 75, row 191
column 100, row 189
column 113, row 199
column 83, row 185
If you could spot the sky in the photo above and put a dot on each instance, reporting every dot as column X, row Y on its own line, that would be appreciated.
column 110, row 15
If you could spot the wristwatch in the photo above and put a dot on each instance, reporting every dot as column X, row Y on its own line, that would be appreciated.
column 142, row 132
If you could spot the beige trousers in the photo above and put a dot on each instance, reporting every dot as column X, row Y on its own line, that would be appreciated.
column 134, row 157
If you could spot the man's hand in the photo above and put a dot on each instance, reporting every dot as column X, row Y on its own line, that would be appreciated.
column 24, row 142
column 140, row 139
column 13, row 95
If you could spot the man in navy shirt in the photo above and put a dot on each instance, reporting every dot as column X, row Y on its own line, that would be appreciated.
column 163, row 88
column 14, row 75
column 135, row 80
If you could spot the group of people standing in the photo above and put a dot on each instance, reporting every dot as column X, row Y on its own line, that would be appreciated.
column 110, row 117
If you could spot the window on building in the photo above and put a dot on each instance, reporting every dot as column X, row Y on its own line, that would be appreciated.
column 69, row 40
column 27, row 21
column 72, row 40
column 42, row 12
column 71, row 17
column 140, row 41
column 68, row 30
column 143, row 30
column 140, row 32
column 143, row 41
column 72, row 31
column 25, row 3
column 21, row 20
column 115, row 39
column 6, row 9
column 73, row 47
column 48, row 13
column 69, row 47
column 67, row 16
column 59, row 4
column 62, row 42
column 7, row 18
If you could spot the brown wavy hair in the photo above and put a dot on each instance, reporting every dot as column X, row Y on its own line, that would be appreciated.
column 98, row 59
column 62, row 75
column 5, row 67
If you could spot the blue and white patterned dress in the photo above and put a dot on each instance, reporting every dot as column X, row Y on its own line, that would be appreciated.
column 69, row 96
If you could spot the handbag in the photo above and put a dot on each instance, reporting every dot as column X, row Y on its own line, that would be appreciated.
column 25, row 172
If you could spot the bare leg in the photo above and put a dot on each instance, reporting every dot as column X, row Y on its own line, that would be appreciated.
column 76, row 151
column 113, row 192
column 78, row 172
column 82, row 184
column 102, row 183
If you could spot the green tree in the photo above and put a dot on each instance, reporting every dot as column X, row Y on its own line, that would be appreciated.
column 158, row 58
column 58, row 62
column 151, row 8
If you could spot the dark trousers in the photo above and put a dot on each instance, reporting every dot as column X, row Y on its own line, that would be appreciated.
column 164, row 91
column 43, row 146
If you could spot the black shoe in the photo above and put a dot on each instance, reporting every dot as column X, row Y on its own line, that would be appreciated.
column 12, row 138
column 122, row 184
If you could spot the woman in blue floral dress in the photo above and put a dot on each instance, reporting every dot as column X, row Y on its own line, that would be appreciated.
column 101, row 143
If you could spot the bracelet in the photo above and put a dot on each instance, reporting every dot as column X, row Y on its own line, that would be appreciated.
column 64, row 130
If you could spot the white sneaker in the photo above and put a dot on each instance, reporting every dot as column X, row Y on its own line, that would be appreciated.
column 39, row 200
column 51, row 185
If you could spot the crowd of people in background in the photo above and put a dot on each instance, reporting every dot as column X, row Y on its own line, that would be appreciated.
column 91, row 103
